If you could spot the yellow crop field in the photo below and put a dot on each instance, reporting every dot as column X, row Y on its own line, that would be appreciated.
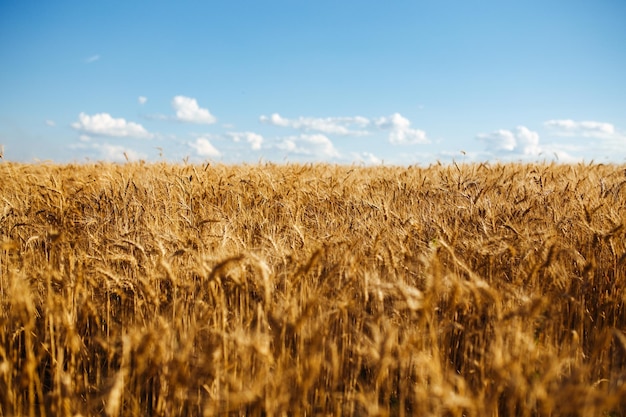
column 268, row 290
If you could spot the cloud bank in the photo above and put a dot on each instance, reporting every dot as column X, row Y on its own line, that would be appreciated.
column 316, row 145
column 328, row 125
column 107, row 151
column 520, row 141
column 589, row 129
column 254, row 139
column 312, row 138
column 400, row 131
column 398, row 126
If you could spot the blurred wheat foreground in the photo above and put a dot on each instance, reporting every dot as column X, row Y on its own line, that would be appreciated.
column 184, row 290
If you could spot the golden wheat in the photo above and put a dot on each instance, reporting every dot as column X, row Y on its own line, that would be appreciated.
column 184, row 290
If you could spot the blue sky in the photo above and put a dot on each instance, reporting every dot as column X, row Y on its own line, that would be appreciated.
column 398, row 82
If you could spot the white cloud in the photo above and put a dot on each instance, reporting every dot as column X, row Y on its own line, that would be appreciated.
column 527, row 141
column 395, row 121
column 50, row 123
column 367, row 158
column 102, row 124
column 321, row 144
column 117, row 153
column 109, row 152
column 188, row 110
column 569, row 141
column 567, row 127
column 142, row 99
column 315, row 145
column 500, row 140
column 84, row 138
column 561, row 153
column 254, row 139
column 596, row 140
column 400, row 129
column 519, row 142
column 276, row 120
column 329, row 125
column 92, row 59
column 289, row 145
column 204, row 147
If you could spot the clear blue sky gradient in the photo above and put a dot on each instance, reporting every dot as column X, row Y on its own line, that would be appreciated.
column 414, row 81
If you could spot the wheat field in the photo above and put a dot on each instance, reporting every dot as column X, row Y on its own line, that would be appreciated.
column 269, row 290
